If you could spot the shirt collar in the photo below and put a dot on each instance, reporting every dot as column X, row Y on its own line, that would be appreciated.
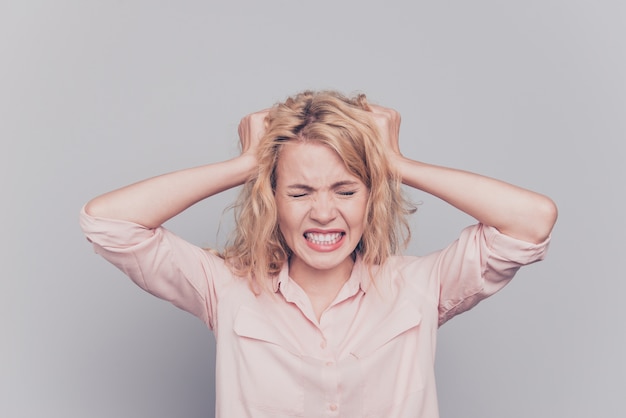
column 360, row 278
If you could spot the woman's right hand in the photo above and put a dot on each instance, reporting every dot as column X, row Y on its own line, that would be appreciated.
column 251, row 129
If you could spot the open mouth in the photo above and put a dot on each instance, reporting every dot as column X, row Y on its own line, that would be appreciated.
column 323, row 238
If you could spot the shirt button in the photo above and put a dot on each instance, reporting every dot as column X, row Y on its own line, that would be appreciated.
column 333, row 407
column 330, row 363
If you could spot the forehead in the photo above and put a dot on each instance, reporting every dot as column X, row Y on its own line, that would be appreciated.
column 311, row 163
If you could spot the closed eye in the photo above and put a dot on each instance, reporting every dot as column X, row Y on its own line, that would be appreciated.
column 347, row 193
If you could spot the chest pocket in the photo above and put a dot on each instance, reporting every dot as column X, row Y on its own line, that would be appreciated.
column 269, row 367
column 399, row 321
column 250, row 324
column 390, row 362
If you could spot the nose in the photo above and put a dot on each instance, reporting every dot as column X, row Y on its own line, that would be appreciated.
column 323, row 209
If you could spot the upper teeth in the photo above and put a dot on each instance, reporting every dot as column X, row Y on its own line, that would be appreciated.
column 318, row 238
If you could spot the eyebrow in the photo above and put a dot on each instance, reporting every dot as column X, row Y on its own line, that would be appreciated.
column 336, row 185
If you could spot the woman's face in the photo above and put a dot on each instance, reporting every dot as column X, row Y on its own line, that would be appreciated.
column 321, row 207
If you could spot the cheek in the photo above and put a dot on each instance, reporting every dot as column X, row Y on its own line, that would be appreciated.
column 287, row 220
column 283, row 226
column 362, row 211
column 281, row 212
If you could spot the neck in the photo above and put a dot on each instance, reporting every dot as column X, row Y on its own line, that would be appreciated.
column 321, row 286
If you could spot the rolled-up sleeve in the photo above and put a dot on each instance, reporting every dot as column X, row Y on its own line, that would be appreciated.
column 159, row 262
column 480, row 263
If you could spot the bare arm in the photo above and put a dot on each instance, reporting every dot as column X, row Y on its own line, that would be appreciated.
column 514, row 211
column 153, row 201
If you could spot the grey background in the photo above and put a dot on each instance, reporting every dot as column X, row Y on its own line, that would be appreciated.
column 98, row 94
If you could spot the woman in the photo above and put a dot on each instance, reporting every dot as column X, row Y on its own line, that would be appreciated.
column 313, row 311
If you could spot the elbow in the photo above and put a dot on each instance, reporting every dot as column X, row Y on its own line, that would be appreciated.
column 92, row 208
column 545, row 217
column 533, row 224
column 98, row 207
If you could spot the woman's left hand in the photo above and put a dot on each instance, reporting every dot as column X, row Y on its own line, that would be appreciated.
column 387, row 121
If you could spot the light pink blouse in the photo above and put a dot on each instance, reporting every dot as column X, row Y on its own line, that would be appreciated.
column 370, row 355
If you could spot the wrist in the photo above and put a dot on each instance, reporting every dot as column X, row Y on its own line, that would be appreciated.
column 398, row 164
column 247, row 164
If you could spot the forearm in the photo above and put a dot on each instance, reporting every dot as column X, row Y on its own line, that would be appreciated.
column 153, row 201
column 514, row 211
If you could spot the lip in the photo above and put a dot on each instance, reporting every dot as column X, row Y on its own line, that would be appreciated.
column 324, row 231
column 324, row 247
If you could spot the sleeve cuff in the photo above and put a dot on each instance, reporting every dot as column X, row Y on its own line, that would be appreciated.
column 514, row 249
column 112, row 233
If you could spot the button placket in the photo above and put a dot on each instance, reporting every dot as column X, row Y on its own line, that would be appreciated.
column 323, row 344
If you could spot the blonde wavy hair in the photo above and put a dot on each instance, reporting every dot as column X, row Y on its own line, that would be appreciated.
column 257, row 248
